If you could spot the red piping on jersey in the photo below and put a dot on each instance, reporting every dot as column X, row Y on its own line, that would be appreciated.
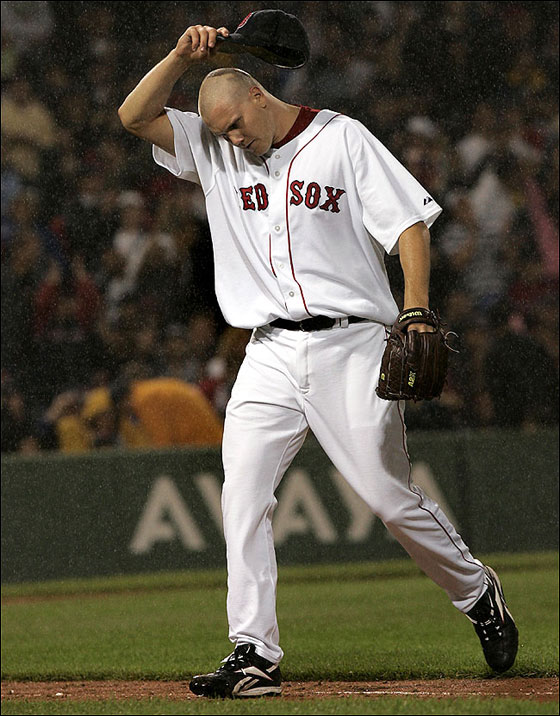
column 288, row 206
column 270, row 254
column 420, row 496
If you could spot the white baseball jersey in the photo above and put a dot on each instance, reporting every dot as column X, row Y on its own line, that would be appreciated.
column 301, row 232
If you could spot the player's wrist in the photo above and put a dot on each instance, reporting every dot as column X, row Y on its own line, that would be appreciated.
column 179, row 60
column 416, row 297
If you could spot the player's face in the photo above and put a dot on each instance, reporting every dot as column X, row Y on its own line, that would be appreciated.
column 244, row 123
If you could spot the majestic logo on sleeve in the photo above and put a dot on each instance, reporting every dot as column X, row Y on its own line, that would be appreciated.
column 312, row 195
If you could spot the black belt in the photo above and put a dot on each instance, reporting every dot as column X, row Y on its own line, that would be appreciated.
column 317, row 323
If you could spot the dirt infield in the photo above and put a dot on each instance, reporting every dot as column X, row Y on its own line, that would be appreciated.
column 543, row 689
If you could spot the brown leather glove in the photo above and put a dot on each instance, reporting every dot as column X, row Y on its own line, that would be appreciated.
column 414, row 364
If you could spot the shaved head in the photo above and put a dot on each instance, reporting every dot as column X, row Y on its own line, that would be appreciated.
column 237, row 108
column 222, row 87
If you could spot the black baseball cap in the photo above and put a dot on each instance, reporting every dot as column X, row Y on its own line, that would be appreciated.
column 274, row 36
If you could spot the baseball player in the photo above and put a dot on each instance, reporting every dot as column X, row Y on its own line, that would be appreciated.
column 302, row 205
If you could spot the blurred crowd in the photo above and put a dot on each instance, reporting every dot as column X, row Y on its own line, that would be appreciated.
column 111, row 334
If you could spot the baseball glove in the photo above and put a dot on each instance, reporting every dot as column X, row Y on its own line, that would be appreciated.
column 414, row 365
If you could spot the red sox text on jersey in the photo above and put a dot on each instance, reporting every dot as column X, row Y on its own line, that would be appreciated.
column 255, row 198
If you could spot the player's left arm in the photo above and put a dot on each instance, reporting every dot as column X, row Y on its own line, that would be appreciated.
column 414, row 253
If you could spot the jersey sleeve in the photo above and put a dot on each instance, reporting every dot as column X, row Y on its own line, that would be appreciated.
column 193, row 148
column 392, row 199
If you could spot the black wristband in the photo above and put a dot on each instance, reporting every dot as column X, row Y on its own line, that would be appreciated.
column 416, row 315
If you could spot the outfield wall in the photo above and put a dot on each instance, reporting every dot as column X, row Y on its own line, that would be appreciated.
column 113, row 512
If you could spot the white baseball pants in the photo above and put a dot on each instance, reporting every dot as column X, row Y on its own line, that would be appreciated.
column 323, row 380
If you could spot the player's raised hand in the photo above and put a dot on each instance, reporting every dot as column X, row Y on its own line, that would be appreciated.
column 198, row 42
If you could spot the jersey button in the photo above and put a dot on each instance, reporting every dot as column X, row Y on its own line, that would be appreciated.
column 276, row 156
column 276, row 228
column 291, row 294
column 276, row 174
column 281, row 266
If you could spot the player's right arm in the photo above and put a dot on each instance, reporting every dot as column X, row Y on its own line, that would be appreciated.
column 142, row 113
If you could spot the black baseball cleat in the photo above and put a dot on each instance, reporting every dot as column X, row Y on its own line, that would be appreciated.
column 244, row 673
column 494, row 625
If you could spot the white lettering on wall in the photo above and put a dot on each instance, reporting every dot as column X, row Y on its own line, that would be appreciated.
column 165, row 518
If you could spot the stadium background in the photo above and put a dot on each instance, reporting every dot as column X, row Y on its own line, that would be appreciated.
column 106, row 259
column 107, row 279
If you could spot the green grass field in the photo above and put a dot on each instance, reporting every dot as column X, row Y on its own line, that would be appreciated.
column 264, row 707
column 349, row 622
